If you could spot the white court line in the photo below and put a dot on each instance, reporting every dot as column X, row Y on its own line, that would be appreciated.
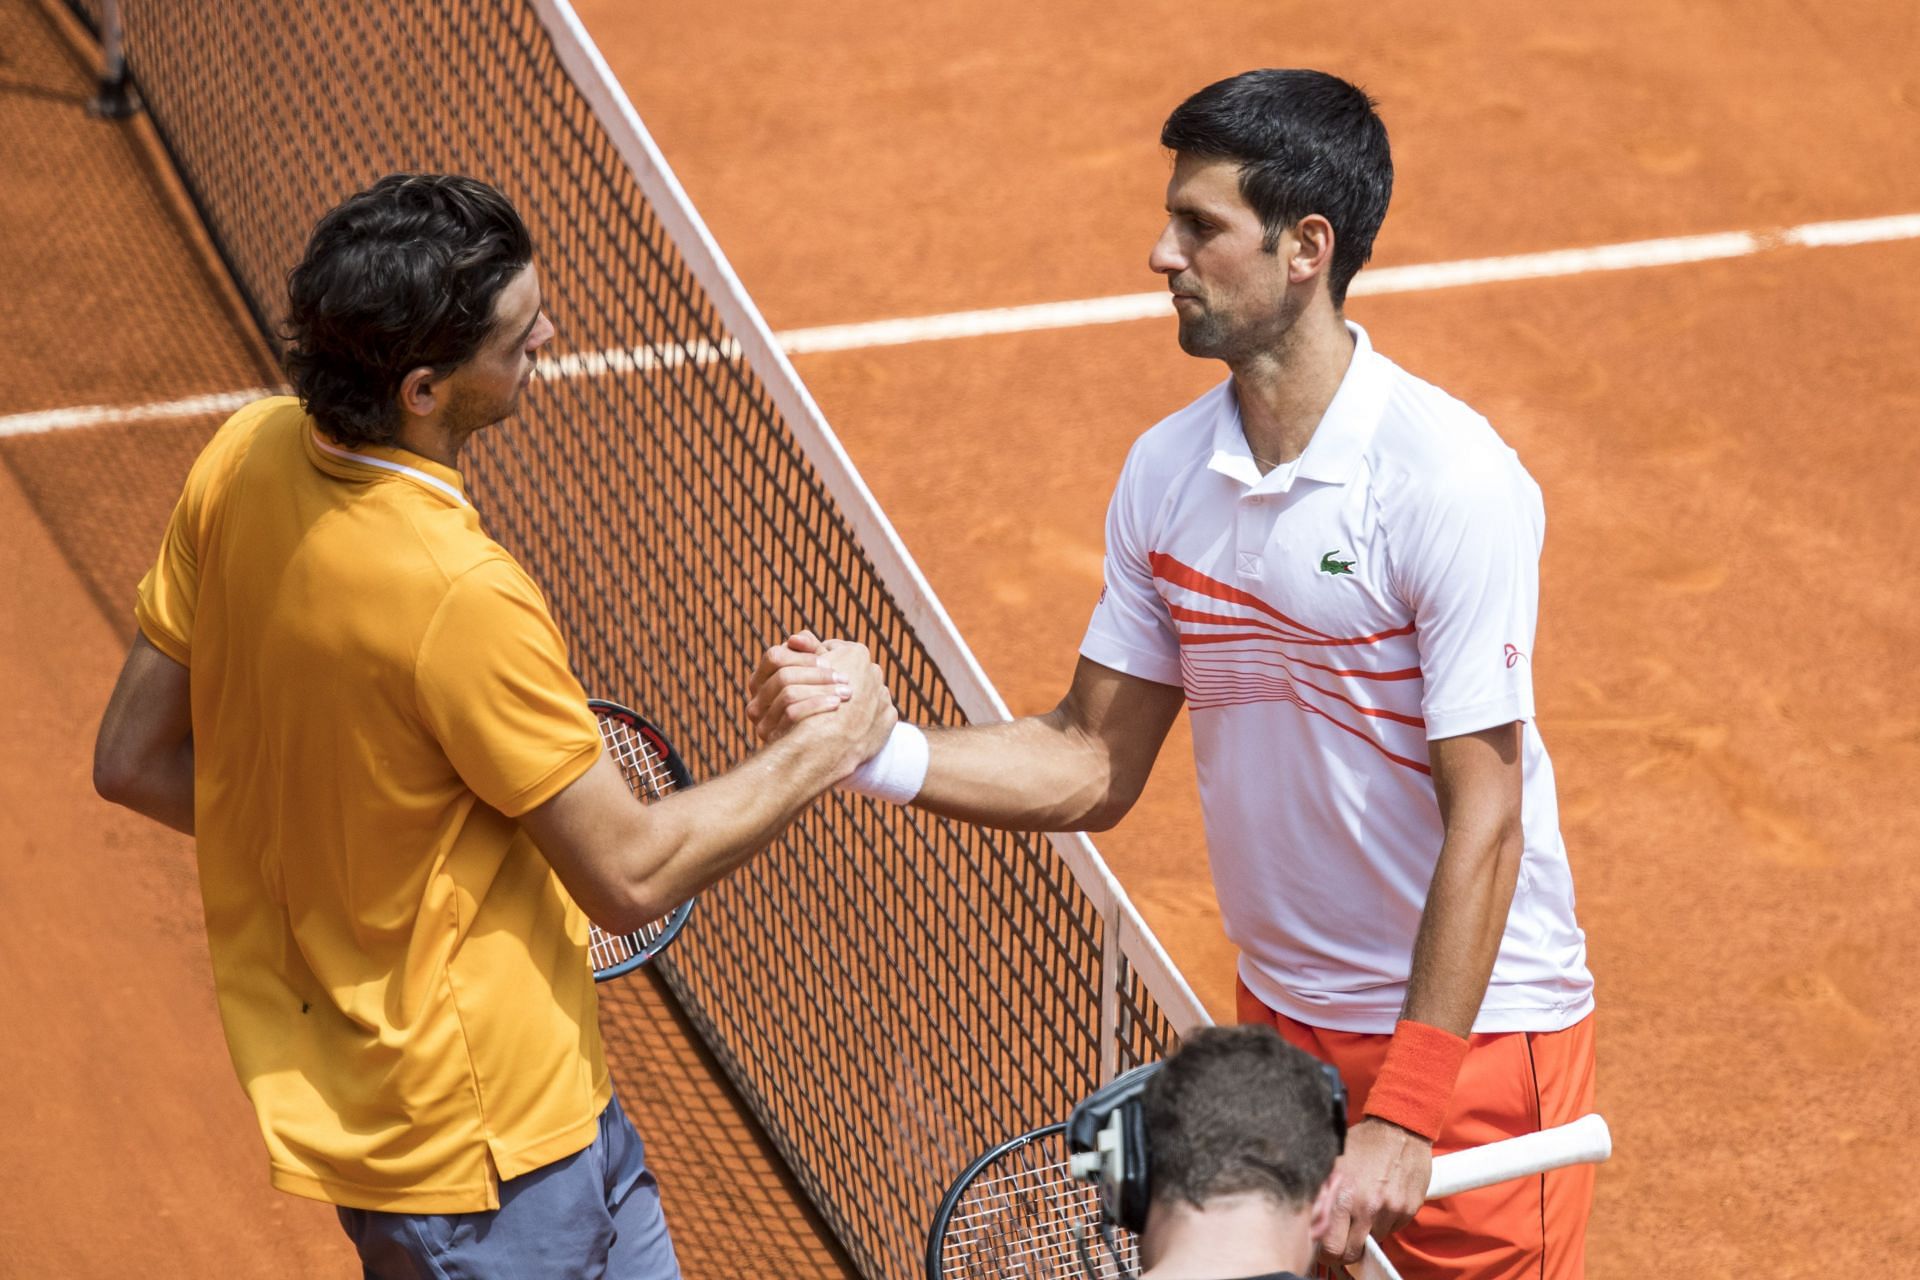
column 26, row 424
column 1632, row 255
column 1382, row 280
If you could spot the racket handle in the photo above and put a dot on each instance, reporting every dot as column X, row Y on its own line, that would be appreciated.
column 1585, row 1141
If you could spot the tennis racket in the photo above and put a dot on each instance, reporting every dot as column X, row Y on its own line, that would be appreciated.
column 652, row 769
column 1019, row 1211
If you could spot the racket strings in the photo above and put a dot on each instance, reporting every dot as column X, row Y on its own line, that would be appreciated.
column 643, row 766
column 1058, row 1255
column 1023, row 1194
column 649, row 777
column 609, row 949
column 1025, row 1217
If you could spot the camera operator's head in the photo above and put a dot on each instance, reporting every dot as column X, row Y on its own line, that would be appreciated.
column 1242, row 1130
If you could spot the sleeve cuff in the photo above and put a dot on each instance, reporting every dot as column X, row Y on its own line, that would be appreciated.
column 160, row 638
column 563, row 775
column 1131, row 660
column 1452, row 722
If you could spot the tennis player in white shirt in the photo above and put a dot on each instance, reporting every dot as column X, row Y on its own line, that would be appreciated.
column 1335, row 566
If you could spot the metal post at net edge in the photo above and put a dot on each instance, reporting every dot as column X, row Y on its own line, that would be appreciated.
column 114, row 98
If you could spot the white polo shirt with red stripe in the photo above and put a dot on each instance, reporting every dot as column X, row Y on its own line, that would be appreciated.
column 1327, row 621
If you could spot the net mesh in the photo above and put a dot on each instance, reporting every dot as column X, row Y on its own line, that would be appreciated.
column 889, row 992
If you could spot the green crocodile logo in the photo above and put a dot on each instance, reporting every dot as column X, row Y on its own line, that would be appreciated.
column 1330, row 563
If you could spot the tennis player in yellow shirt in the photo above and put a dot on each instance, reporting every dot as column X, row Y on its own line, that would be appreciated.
column 358, row 703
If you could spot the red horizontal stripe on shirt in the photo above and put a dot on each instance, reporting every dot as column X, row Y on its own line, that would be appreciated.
column 1236, row 694
column 1380, row 713
column 1167, row 569
column 1402, row 673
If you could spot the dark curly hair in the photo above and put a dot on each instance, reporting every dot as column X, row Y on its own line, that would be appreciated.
column 400, row 276
column 1239, row 1109
column 1306, row 142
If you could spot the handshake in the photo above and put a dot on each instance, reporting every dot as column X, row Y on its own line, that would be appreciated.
column 831, row 698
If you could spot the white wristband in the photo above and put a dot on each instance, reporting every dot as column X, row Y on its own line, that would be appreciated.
column 897, row 770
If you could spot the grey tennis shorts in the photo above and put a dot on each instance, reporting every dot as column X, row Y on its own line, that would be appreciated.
column 595, row 1215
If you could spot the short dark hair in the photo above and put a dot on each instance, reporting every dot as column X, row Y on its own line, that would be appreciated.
column 1306, row 142
column 399, row 276
column 1238, row 1109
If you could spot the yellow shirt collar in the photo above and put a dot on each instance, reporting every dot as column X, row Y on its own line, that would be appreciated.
column 364, row 461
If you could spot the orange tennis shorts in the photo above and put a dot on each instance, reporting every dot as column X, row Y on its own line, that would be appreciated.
column 1511, row 1083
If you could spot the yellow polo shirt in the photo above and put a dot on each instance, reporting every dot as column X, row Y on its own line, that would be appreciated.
column 378, row 692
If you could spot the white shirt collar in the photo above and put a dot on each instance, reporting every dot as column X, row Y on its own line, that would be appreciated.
column 1340, row 439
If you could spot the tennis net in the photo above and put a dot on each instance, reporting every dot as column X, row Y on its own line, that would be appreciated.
column 888, row 992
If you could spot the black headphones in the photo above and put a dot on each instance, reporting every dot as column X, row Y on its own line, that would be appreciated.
column 1107, row 1141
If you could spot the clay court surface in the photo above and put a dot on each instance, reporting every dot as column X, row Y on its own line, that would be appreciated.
column 1728, row 449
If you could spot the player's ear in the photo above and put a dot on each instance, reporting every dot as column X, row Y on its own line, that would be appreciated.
column 420, row 392
column 1321, row 1215
column 1310, row 241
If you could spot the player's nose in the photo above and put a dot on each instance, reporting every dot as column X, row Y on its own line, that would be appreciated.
column 1166, row 257
column 542, row 334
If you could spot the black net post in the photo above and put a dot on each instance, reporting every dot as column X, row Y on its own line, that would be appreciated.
column 114, row 97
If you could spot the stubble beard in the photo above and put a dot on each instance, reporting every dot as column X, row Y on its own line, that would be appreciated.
column 1213, row 335
column 1203, row 336
column 470, row 412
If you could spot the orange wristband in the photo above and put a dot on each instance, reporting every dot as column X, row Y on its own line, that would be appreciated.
column 1415, row 1084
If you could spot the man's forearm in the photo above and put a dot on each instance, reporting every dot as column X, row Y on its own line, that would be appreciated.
column 627, row 863
column 1461, row 927
column 1077, row 768
column 1038, row 773
column 1477, row 781
column 700, row 836
column 1389, row 1154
